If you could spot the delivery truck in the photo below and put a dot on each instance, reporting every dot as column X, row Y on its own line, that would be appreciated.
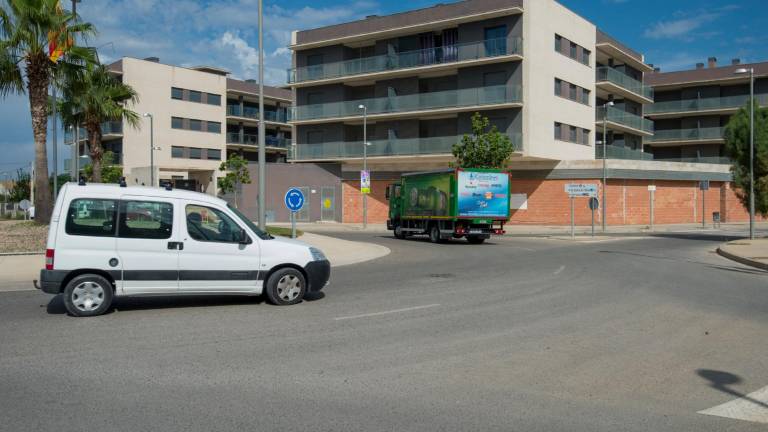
column 453, row 203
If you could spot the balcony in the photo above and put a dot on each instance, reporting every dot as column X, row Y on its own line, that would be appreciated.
column 109, row 130
column 623, row 153
column 253, row 113
column 383, row 148
column 711, row 134
column 625, row 122
column 253, row 140
column 713, row 105
column 451, row 100
column 428, row 57
column 617, row 82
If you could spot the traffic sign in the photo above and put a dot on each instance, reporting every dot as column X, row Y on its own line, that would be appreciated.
column 581, row 189
column 25, row 204
column 652, row 188
column 594, row 204
column 365, row 181
column 294, row 199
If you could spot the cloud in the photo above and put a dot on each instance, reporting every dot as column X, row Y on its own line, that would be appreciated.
column 685, row 28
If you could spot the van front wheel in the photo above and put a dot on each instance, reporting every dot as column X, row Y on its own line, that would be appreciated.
column 88, row 295
column 286, row 287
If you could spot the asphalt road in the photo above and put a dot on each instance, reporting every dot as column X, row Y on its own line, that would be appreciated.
column 514, row 335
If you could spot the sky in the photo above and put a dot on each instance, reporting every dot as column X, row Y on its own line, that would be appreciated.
column 673, row 34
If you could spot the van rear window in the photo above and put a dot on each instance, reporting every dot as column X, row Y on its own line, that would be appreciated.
column 92, row 217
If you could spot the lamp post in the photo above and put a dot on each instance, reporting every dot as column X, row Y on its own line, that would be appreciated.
column 151, row 149
column 262, row 136
column 751, row 72
column 365, row 161
column 605, row 156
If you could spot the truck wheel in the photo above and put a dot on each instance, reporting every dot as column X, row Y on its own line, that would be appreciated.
column 88, row 295
column 434, row 234
column 475, row 240
column 286, row 287
column 399, row 233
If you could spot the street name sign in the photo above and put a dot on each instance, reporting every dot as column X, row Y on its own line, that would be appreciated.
column 581, row 189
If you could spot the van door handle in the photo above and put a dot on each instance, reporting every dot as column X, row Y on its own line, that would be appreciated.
column 176, row 245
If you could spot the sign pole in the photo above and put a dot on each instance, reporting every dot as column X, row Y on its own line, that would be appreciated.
column 703, row 209
column 293, row 224
column 651, row 199
column 593, row 222
column 573, row 229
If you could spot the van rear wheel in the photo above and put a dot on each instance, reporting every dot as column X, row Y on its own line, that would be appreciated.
column 286, row 286
column 88, row 295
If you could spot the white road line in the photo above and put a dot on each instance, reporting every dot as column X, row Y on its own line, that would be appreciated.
column 558, row 271
column 386, row 312
column 752, row 407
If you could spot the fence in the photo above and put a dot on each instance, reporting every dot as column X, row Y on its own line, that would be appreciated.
column 11, row 211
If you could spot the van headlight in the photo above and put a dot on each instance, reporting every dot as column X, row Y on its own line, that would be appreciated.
column 317, row 254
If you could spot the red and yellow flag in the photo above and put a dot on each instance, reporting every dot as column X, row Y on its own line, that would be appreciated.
column 59, row 42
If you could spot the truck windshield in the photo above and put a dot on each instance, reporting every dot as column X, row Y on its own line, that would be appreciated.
column 262, row 235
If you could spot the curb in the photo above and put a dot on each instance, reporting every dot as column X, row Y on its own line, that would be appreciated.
column 21, row 253
column 742, row 260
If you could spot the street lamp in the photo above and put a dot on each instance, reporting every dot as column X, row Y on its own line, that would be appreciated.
column 605, row 156
column 151, row 149
column 751, row 72
column 365, row 161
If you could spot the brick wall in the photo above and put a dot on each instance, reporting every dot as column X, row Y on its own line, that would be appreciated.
column 675, row 202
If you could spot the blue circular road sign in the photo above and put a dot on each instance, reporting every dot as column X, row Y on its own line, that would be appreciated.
column 294, row 199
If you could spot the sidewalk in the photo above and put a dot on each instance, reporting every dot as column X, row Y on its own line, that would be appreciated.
column 18, row 271
column 749, row 252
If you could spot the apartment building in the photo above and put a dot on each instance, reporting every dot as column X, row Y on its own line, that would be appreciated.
column 197, row 117
column 693, row 106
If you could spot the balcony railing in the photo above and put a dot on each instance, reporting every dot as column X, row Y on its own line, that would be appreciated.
column 250, row 112
column 413, row 102
column 698, row 134
column 627, row 119
column 624, row 81
column 408, row 59
column 107, row 128
column 616, row 152
column 703, row 104
column 253, row 140
column 386, row 147
column 700, row 159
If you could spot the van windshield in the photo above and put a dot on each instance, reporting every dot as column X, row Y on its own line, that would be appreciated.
column 263, row 235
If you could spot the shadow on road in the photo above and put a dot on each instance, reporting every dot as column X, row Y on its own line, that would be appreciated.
column 56, row 305
column 720, row 380
column 709, row 265
column 719, row 237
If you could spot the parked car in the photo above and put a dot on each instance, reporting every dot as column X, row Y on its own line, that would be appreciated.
column 106, row 241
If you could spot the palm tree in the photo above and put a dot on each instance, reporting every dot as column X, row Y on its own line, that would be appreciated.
column 92, row 98
column 27, row 27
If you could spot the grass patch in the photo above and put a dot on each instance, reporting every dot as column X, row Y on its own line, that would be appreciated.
column 282, row 231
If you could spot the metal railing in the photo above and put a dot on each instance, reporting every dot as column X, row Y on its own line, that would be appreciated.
column 721, row 160
column 703, row 104
column 107, row 128
column 619, row 116
column 385, row 147
column 253, row 140
column 282, row 115
column 624, row 81
column 616, row 152
column 697, row 134
column 413, row 102
column 408, row 59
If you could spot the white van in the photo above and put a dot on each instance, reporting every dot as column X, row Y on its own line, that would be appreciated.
column 109, row 240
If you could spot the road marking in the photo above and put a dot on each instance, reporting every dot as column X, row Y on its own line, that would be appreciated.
column 386, row 312
column 558, row 271
column 752, row 407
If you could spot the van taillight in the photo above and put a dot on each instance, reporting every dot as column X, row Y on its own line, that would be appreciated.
column 49, row 259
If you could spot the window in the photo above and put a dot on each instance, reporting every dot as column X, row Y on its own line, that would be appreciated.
column 195, row 153
column 92, row 217
column 213, row 154
column 585, row 136
column 496, row 40
column 177, row 152
column 196, row 125
column 145, row 220
column 214, row 127
column 211, row 225
column 573, row 50
column 558, row 131
column 572, row 91
column 558, row 86
column 558, row 43
column 195, row 96
column 585, row 96
column 572, row 136
column 585, row 56
column 213, row 99
column 177, row 122
column 177, row 93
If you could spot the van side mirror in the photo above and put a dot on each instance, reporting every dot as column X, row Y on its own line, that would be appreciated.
column 244, row 238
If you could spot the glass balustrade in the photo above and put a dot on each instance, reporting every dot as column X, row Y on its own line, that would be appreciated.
column 624, row 81
column 696, row 134
column 624, row 118
column 703, row 104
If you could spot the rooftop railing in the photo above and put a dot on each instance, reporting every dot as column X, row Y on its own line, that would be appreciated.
column 408, row 59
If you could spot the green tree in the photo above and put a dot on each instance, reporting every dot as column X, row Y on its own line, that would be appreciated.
column 27, row 27
column 737, row 148
column 110, row 171
column 92, row 98
column 484, row 148
column 20, row 189
column 236, row 168
column 63, row 178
